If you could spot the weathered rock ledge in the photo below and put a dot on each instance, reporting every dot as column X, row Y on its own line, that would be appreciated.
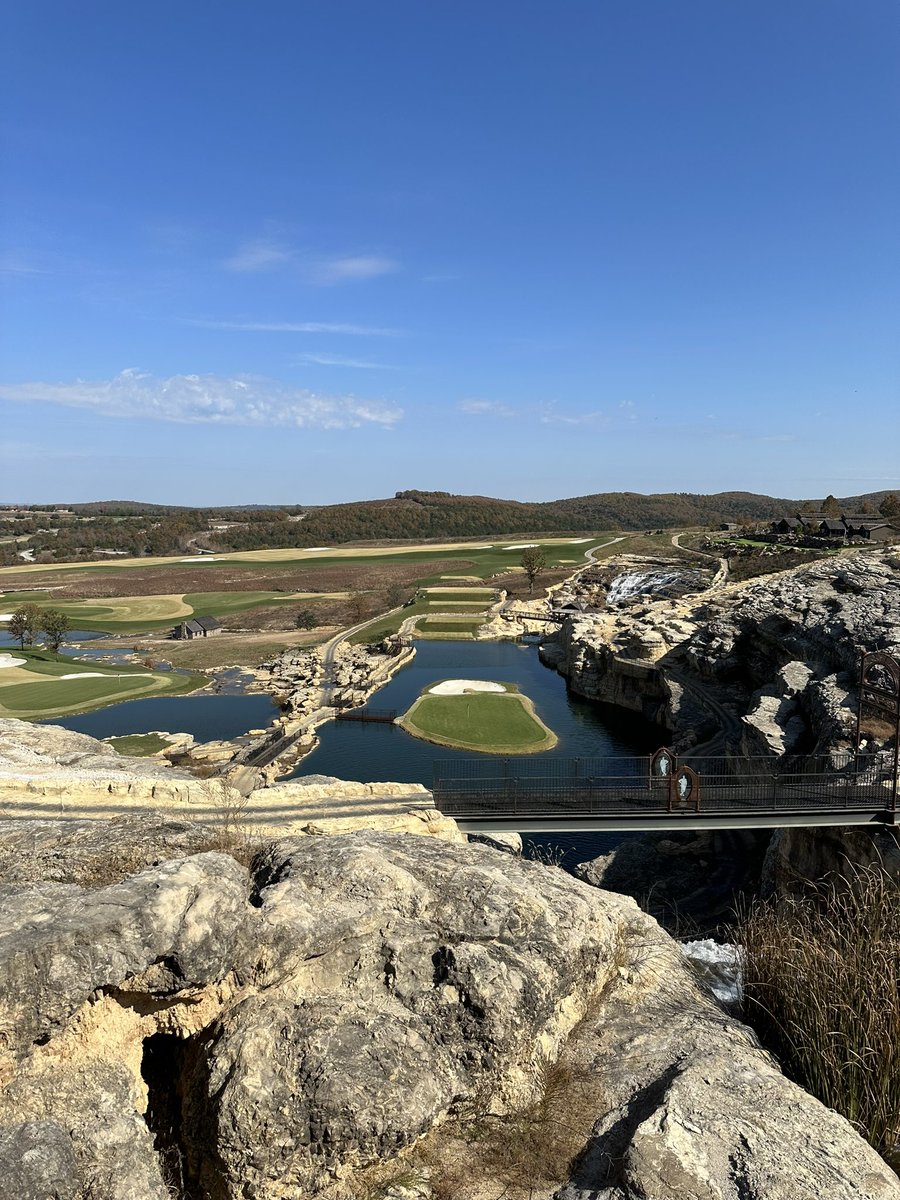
column 202, row 1029
column 783, row 649
column 49, row 773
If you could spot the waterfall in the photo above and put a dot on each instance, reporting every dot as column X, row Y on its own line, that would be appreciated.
column 625, row 587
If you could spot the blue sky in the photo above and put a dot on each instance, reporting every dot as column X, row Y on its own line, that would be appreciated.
column 303, row 252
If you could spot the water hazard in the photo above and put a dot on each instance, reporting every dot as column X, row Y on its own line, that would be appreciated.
column 205, row 718
column 387, row 753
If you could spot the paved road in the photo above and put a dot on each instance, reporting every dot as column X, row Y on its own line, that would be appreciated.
column 722, row 573
column 329, row 650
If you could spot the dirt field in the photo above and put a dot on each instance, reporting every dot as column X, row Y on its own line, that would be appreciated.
column 172, row 578
column 224, row 650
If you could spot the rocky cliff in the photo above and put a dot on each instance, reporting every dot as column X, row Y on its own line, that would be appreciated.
column 773, row 661
column 373, row 1014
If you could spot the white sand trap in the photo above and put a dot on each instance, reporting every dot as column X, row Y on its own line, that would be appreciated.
column 199, row 558
column 7, row 660
column 458, row 687
column 315, row 549
column 523, row 546
column 102, row 675
column 5, row 616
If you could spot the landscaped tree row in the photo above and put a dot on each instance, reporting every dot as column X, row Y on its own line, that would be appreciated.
column 28, row 621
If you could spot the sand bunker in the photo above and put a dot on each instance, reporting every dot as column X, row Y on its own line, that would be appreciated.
column 7, row 660
column 103, row 675
column 523, row 546
column 458, row 687
column 199, row 558
column 5, row 616
column 315, row 549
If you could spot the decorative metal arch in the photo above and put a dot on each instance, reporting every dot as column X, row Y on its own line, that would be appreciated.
column 684, row 790
column 662, row 765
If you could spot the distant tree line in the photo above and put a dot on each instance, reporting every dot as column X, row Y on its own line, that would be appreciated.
column 85, row 531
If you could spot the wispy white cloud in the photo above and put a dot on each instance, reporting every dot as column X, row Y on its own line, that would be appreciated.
column 551, row 415
column 14, row 263
column 335, row 360
column 259, row 254
column 353, row 267
column 273, row 253
column 486, row 408
column 207, row 399
column 295, row 327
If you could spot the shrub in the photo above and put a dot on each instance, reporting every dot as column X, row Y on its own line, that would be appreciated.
column 820, row 987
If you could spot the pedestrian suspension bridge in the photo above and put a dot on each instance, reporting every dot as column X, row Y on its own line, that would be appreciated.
column 665, row 791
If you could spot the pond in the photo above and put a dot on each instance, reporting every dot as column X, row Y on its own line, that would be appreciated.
column 205, row 718
column 386, row 753
column 74, row 635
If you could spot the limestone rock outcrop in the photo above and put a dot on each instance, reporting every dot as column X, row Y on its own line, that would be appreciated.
column 696, row 1111
column 52, row 775
column 785, row 648
column 202, row 1029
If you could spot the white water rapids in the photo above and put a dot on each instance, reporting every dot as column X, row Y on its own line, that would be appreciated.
column 718, row 966
column 625, row 587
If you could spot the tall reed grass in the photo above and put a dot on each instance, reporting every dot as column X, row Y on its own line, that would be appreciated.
column 822, row 989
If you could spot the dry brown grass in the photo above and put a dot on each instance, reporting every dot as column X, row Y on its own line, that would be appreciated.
column 821, row 988
column 488, row 1157
column 246, row 649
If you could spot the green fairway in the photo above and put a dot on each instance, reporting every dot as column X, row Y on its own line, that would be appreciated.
column 489, row 722
column 146, row 614
column 46, row 685
column 481, row 559
column 464, row 627
column 10, row 600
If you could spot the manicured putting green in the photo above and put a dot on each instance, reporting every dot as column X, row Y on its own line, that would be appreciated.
column 487, row 722
column 47, row 686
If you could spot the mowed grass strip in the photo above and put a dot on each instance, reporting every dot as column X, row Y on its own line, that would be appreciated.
column 147, row 614
column 454, row 606
column 487, row 722
column 138, row 745
column 464, row 625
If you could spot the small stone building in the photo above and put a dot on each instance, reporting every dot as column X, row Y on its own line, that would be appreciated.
column 197, row 627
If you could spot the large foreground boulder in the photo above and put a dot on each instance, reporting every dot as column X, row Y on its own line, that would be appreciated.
column 201, row 1030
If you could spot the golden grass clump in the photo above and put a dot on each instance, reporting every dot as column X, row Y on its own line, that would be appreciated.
column 822, row 989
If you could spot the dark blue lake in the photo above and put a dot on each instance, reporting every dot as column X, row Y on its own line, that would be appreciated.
column 206, row 718
column 387, row 753
column 74, row 635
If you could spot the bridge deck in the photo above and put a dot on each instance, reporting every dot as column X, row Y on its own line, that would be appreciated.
column 621, row 794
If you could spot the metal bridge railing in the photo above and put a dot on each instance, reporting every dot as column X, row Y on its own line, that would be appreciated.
column 621, row 786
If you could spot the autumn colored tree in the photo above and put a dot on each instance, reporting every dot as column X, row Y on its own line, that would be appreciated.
column 24, row 623
column 533, row 562
column 54, row 625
